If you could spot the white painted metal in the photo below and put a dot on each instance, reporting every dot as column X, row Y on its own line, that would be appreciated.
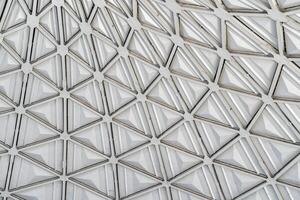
column 149, row 99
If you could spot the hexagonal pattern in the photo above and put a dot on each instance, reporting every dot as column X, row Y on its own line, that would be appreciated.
column 149, row 99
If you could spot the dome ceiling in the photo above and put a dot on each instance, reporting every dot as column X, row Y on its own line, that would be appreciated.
column 150, row 99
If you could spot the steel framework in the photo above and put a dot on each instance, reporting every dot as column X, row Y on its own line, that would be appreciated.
column 149, row 99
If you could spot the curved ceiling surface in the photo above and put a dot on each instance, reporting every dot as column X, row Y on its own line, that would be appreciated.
column 149, row 99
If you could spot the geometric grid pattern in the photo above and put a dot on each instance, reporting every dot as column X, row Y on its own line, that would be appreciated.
column 140, row 99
